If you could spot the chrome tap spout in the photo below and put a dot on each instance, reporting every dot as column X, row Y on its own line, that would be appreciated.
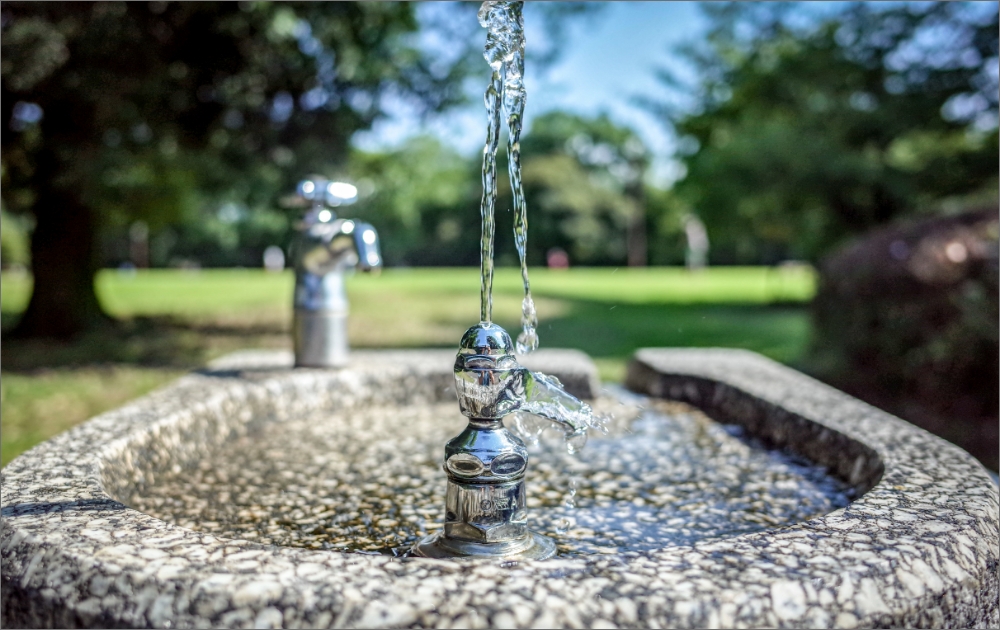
column 326, row 248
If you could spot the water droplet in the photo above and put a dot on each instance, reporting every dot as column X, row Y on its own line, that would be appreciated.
column 575, row 442
column 600, row 422
column 528, row 427
column 563, row 525
column 527, row 341
column 569, row 500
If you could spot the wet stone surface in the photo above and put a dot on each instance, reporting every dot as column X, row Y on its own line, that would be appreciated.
column 370, row 481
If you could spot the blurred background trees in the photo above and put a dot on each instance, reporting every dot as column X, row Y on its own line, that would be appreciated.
column 424, row 198
column 585, row 177
column 865, row 143
column 582, row 176
column 173, row 129
column 796, row 136
column 126, row 111
column 805, row 136
column 858, row 138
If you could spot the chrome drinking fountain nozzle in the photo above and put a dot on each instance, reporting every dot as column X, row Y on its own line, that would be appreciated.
column 485, row 505
column 324, row 249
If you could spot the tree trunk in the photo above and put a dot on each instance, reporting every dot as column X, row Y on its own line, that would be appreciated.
column 63, row 262
column 635, row 236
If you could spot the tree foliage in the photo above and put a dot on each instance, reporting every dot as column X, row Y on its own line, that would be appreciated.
column 185, row 115
column 805, row 135
column 170, row 98
column 119, row 111
column 424, row 198
column 582, row 180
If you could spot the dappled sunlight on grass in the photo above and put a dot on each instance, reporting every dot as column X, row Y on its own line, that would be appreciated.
column 232, row 293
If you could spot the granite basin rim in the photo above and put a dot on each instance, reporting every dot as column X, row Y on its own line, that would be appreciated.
column 918, row 548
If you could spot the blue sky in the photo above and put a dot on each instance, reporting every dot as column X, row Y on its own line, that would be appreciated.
column 609, row 58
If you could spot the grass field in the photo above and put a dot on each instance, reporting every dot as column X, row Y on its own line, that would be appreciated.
column 174, row 321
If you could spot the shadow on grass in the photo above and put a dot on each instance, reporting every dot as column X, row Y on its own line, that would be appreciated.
column 49, row 386
column 604, row 332
column 161, row 342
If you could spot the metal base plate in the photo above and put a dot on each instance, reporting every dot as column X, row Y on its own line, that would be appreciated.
column 535, row 547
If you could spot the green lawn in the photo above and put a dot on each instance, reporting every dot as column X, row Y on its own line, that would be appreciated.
column 42, row 403
column 177, row 320
column 222, row 291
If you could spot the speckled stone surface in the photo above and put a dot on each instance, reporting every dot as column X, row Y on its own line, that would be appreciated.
column 918, row 548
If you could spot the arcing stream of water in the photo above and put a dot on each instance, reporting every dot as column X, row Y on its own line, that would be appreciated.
column 505, row 53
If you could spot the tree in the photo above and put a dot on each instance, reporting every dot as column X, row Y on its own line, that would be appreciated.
column 803, row 136
column 423, row 197
column 583, row 181
column 118, row 111
column 583, row 185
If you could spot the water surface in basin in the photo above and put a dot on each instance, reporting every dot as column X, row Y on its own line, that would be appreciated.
column 370, row 481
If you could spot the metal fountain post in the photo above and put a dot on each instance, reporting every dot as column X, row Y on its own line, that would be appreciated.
column 325, row 248
column 485, row 506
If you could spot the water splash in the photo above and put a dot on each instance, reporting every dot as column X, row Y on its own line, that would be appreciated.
column 549, row 399
column 528, row 427
column 504, row 52
column 575, row 442
column 545, row 396
column 547, row 404
column 600, row 422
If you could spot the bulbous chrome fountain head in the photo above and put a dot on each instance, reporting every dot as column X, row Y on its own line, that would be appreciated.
column 488, row 379
column 486, row 339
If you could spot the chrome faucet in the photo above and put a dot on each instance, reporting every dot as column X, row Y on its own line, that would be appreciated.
column 325, row 248
column 485, row 505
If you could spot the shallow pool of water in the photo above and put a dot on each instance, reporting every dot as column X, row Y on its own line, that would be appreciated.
column 371, row 482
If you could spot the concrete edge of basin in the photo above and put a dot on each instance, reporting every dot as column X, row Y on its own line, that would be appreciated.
column 919, row 548
column 574, row 368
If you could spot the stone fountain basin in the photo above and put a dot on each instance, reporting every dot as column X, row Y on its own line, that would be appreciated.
column 918, row 547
